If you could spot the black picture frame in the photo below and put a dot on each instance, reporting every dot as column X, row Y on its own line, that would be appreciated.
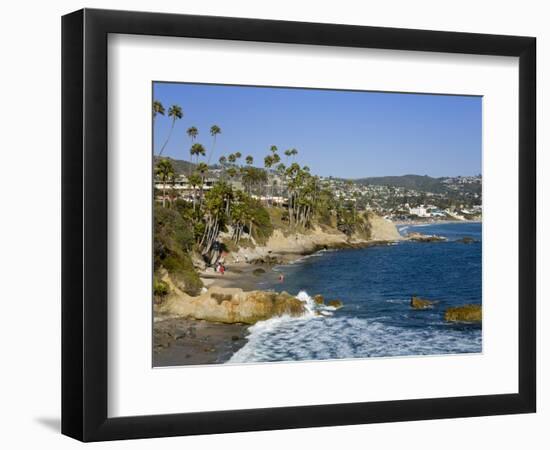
column 84, row 224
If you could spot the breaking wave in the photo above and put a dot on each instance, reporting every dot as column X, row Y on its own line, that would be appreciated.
column 319, row 335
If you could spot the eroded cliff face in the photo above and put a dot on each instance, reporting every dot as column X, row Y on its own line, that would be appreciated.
column 382, row 229
column 319, row 237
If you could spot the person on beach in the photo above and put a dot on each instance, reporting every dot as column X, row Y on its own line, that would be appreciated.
column 281, row 278
column 222, row 269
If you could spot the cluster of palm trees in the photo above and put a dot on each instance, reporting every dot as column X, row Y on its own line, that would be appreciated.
column 305, row 194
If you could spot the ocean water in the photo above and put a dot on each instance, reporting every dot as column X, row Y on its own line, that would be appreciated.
column 376, row 284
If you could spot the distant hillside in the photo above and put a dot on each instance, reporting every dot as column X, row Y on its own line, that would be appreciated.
column 180, row 166
column 416, row 182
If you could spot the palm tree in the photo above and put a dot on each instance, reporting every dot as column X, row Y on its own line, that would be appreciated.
column 176, row 113
column 165, row 172
column 281, row 171
column 249, row 160
column 214, row 131
column 273, row 149
column 269, row 160
column 202, row 168
column 223, row 162
column 157, row 109
column 232, row 172
column 196, row 150
column 194, row 180
column 291, row 152
column 173, row 196
column 192, row 132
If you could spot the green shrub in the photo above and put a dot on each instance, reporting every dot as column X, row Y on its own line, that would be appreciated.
column 160, row 288
column 262, row 227
column 173, row 241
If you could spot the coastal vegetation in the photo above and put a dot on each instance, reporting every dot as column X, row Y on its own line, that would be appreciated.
column 245, row 203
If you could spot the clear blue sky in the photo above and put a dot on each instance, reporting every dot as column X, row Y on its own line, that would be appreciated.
column 339, row 133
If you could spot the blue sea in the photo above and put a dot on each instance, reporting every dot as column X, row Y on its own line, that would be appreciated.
column 376, row 284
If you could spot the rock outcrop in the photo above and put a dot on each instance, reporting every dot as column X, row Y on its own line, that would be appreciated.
column 466, row 240
column 421, row 303
column 335, row 304
column 319, row 299
column 382, row 229
column 233, row 305
column 466, row 313
column 419, row 237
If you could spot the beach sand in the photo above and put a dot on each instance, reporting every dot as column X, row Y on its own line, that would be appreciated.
column 179, row 341
column 240, row 275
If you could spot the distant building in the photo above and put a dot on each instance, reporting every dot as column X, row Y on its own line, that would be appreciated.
column 182, row 187
column 419, row 211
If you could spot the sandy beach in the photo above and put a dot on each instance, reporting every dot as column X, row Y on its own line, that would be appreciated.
column 242, row 275
column 179, row 341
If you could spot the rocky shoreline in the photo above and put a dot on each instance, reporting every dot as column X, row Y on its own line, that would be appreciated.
column 432, row 221
column 209, row 328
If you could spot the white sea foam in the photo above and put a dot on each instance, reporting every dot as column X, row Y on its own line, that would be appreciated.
column 317, row 337
column 398, row 300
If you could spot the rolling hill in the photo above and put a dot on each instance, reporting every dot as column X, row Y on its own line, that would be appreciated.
column 414, row 182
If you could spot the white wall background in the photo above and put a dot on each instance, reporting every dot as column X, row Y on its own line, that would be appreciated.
column 30, row 221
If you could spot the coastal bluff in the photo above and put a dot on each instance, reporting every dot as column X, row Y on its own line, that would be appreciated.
column 283, row 245
column 232, row 305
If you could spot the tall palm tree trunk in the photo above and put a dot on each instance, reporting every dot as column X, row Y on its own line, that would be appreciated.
column 168, row 138
column 212, row 152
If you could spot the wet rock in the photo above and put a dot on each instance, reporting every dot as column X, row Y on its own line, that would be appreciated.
column 419, row 237
column 466, row 313
column 420, row 303
column 466, row 240
column 258, row 271
column 319, row 299
column 335, row 303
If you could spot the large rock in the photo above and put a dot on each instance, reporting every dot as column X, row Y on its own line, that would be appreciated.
column 232, row 305
column 382, row 229
column 466, row 313
column 421, row 303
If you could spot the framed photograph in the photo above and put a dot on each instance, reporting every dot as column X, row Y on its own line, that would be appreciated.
column 273, row 224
